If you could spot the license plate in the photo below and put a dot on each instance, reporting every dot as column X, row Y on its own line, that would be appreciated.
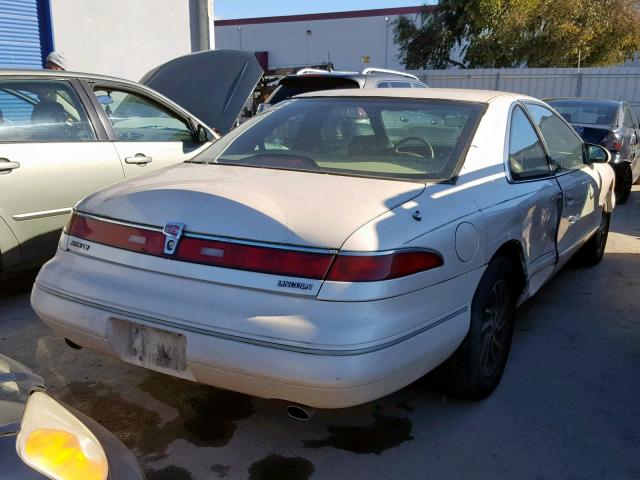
column 155, row 348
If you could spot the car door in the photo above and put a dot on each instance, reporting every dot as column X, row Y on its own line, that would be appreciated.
column 146, row 133
column 51, row 155
column 580, row 182
column 529, row 171
column 629, row 129
column 631, row 119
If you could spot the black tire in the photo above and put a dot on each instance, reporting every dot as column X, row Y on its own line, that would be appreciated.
column 475, row 368
column 592, row 252
column 622, row 195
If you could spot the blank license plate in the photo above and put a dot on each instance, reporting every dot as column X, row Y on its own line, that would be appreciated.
column 155, row 348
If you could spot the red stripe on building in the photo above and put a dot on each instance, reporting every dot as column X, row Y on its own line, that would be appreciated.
column 323, row 16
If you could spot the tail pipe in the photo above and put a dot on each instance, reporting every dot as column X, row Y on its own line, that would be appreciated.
column 300, row 412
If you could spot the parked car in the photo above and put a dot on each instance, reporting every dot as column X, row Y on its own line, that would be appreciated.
column 612, row 124
column 40, row 438
column 297, row 260
column 312, row 80
column 64, row 135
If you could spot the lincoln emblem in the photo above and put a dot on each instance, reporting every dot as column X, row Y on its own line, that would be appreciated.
column 172, row 233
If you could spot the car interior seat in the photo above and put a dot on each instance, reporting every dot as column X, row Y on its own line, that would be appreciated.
column 48, row 112
column 50, row 118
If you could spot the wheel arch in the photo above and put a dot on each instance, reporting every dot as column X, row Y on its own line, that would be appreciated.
column 10, row 253
column 513, row 251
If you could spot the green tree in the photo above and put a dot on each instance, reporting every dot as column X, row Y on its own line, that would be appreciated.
column 513, row 33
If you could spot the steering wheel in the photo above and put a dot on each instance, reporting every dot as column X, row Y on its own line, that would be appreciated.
column 419, row 140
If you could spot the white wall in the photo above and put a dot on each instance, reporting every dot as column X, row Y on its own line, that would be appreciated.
column 124, row 38
column 345, row 40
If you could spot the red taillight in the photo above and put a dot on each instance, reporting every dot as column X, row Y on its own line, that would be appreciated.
column 613, row 141
column 115, row 235
column 255, row 258
column 372, row 268
column 276, row 261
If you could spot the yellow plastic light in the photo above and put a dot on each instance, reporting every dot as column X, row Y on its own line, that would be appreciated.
column 60, row 455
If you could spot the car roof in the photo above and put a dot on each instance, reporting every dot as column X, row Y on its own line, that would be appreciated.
column 461, row 94
column 60, row 74
column 584, row 100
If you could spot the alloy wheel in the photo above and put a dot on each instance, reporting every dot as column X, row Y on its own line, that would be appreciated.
column 493, row 330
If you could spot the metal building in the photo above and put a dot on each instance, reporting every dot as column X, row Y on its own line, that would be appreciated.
column 115, row 37
column 350, row 40
column 26, row 35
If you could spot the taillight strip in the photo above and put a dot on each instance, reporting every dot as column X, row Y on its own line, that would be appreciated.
column 194, row 249
column 308, row 263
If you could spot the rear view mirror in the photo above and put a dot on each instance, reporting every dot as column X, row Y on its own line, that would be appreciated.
column 597, row 154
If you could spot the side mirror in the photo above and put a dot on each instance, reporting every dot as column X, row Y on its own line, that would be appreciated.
column 597, row 154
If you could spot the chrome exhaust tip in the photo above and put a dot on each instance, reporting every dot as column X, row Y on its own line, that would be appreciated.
column 300, row 412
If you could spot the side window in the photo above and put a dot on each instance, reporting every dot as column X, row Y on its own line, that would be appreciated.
column 42, row 111
column 418, row 85
column 138, row 119
column 628, row 118
column 383, row 85
column 563, row 144
column 527, row 158
column 400, row 84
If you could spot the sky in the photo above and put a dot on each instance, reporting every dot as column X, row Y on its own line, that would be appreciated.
column 226, row 9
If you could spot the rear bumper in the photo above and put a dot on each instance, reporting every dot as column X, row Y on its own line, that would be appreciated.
column 620, row 167
column 429, row 325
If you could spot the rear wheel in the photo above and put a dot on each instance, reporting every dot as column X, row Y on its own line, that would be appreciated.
column 625, row 186
column 593, row 251
column 476, row 367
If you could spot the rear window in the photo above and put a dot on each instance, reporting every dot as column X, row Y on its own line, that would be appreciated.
column 589, row 113
column 292, row 86
column 409, row 139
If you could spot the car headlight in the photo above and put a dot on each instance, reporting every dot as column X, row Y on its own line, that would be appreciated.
column 55, row 443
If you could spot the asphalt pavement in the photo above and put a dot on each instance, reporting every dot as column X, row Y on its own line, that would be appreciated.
column 568, row 406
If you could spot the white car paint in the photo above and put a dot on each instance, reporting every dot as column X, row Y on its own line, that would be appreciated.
column 333, row 344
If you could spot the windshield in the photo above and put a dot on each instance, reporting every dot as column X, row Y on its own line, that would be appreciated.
column 396, row 138
column 589, row 113
column 292, row 86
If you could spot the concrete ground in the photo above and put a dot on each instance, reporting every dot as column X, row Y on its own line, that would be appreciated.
column 568, row 405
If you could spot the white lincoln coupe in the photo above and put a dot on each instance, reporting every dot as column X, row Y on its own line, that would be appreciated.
column 336, row 248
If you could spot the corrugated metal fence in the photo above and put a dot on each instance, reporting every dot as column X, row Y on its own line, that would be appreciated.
column 609, row 83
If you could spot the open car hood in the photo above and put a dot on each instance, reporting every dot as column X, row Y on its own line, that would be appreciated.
column 213, row 85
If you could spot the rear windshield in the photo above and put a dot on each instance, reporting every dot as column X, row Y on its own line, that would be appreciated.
column 408, row 139
column 292, row 86
column 589, row 113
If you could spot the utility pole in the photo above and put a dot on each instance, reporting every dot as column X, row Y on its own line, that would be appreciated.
column 386, row 41
column 240, row 37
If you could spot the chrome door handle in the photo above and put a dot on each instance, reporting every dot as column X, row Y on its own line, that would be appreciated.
column 572, row 219
column 6, row 166
column 138, row 159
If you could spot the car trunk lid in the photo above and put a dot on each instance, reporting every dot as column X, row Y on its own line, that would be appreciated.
column 592, row 133
column 265, row 205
